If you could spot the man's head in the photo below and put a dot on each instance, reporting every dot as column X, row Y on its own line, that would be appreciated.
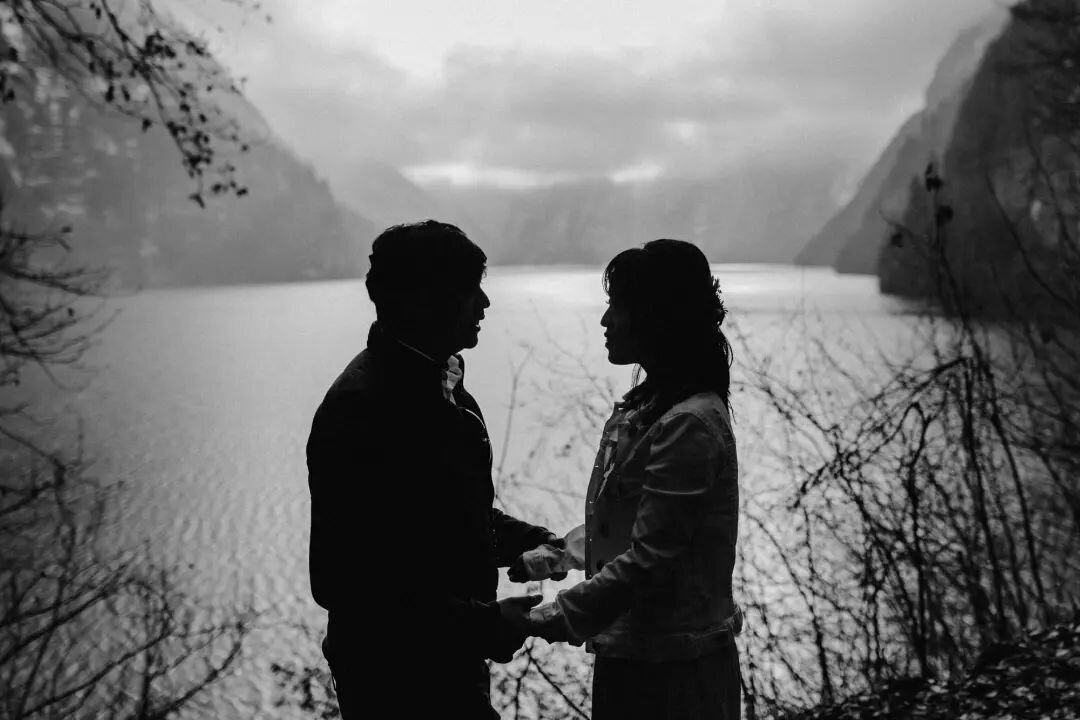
column 425, row 283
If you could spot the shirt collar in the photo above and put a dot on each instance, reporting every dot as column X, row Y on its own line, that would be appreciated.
column 410, row 365
column 383, row 340
column 450, row 368
column 421, row 353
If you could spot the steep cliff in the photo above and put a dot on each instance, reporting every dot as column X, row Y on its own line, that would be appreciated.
column 1010, row 173
column 852, row 239
column 65, row 161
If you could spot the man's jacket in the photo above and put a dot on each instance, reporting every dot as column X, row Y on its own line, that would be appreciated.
column 405, row 543
column 661, row 521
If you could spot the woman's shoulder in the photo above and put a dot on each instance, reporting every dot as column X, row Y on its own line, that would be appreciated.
column 707, row 407
column 707, row 402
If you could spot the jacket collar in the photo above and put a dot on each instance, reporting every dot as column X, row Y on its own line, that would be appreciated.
column 402, row 362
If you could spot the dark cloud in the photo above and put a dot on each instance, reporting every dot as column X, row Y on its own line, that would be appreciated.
column 868, row 52
column 332, row 102
column 579, row 114
column 789, row 87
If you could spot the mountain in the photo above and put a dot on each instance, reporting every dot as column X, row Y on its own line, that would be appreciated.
column 383, row 194
column 735, row 217
column 1011, row 171
column 68, row 162
column 852, row 240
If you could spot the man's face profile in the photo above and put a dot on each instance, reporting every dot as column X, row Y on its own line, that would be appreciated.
column 464, row 313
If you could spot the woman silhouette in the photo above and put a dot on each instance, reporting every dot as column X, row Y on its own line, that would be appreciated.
column 661, row 514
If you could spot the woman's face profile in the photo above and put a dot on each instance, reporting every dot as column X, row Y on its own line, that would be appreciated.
column 622, row 346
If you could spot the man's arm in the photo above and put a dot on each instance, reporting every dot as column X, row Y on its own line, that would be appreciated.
column 513, row 537
column 353, row 468
column 679, row 471
column 470, row 623
column 335, row 468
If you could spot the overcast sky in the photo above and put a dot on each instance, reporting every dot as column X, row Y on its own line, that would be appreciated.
column 525, row 91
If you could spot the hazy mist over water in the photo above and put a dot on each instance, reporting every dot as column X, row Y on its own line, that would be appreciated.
column 203, row 400
column 813, row 151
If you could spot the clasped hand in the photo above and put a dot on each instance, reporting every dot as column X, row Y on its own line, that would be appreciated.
column 547, row 622
column 552, row 558
column 533, row 565
column 525, row 619
column 514, row 627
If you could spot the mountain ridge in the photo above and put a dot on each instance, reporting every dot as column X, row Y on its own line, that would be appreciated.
column 851, row 240
column 71, row 162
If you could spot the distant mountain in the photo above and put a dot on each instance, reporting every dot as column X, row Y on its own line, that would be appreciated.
column 383, row 194
column 67, row 162
column 852, row 240
column 762, row 214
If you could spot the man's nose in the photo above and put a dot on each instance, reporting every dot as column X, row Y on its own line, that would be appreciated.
column 485, row 301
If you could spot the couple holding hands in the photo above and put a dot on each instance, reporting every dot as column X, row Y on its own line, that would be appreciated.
column 406, row 543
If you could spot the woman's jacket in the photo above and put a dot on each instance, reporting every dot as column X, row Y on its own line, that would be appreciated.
column 661, row 525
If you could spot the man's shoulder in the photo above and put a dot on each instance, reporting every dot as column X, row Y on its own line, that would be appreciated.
column 359, row 375
column 355, row 389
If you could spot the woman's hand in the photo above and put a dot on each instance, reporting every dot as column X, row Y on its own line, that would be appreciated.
column 548, row 622
column 540, row 563
column 552, row 559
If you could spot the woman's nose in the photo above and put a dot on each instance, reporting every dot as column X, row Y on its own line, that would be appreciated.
column 605, row 319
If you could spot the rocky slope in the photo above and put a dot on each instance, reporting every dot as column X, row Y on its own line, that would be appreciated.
column 1010, row 174
column 64, row 161
column 852, row 240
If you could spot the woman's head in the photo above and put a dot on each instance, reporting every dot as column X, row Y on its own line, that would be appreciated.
column 664, row 313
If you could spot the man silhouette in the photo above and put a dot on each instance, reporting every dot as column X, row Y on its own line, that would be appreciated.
column 405, row 544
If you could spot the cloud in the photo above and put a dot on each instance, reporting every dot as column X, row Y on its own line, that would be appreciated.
column 331, row 101
column 870, row 52
column 794, row 82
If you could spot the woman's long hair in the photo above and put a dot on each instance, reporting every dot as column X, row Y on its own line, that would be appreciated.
column 676, row 313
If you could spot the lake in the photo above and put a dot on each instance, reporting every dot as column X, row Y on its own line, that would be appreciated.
column 202, row 399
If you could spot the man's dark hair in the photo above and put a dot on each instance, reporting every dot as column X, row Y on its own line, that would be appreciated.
column 676, row 309
column 416, row 265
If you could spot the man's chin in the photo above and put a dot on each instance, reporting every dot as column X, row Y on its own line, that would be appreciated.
column 470, row 341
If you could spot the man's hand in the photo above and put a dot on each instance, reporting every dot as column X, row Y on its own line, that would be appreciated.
column 514, row 628
column 505, row 644
column 515, row 611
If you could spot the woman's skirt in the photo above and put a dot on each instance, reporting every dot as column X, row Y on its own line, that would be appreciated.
column 704, row 687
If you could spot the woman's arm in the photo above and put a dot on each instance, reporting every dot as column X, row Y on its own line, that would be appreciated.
column 682, row 462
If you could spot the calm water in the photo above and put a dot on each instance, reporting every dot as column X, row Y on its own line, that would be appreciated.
column 203, row 400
